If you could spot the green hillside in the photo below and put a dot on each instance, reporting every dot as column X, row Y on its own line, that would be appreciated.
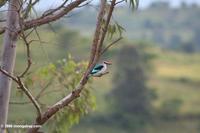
column 174, row 28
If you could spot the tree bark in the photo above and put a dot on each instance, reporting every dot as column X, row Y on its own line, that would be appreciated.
column 8, row 58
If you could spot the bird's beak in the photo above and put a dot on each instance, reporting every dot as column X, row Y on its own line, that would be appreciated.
column 108, row 62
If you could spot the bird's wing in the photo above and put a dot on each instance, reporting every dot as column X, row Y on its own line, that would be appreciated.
column 97, row 68
column 94, row 71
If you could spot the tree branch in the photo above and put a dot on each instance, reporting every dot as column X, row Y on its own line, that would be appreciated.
column 105, row 28
column 24, row 89
column 52, row 11
column 120, row 2
column 30, row 96
column 110, row 45
column 37, row 97
column 98, row 40
column 76, row 93
column 8, row 75
column 97, row 34
column 52, row 17
column 29, row 62
column 49, row 18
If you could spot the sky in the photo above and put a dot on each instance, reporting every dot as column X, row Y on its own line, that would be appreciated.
column 143, row 3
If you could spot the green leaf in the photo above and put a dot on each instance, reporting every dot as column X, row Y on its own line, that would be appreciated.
column 70, row 67
column 120, row 29
column 134, row 4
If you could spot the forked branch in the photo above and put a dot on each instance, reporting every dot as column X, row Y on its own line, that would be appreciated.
column 76, row 93
column 30, row 96
column 48, row 18
column 24, row 89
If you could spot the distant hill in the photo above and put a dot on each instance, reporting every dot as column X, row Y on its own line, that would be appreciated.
column 174, row 28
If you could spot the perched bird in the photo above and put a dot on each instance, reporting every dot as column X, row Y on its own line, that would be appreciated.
column 100, row 69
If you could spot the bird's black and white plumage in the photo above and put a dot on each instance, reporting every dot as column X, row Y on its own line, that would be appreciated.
column 100, row 69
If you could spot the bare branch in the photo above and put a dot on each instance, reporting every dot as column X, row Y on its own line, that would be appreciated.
column 24, row 89
column 52, row 11
column 19, row 103
column 56, row 107
column 30, row 32
column 111, row 44
column 76, row 93
column 30, row 96
column 37, row 97
column 49, row 18
column 121, row 1
column 31, row 41
column 29, row 62
column 85, row 4
column 96, row 39
column 52, row 17
column 105, row 29
column 8, row 75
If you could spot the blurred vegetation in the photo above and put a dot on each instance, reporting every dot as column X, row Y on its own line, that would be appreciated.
column 168, row 27
column 165, row 52
column 130, row 96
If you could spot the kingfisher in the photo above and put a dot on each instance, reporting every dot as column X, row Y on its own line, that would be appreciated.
column 100, row 69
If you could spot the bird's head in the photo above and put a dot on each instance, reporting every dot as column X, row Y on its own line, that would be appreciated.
column 107, row 62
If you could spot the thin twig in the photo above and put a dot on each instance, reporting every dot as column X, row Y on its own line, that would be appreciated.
column 119, row 2
column 24, row 89
column 37, row 96
column 52, row 11
column 8, row 75
column 40, row 41
column 111, row 44
column 43, row 89
column 30, row 96
column 85, row 4
column 20, row 103
column 29, row 62
column 29, row 32
column 31, row 41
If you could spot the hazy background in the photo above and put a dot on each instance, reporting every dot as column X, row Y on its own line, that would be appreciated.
column 154, row 82
column 143, row 3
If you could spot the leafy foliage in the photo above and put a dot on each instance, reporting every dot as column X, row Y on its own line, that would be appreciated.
column 62, row 78
column 115, row 29
column 133, row 4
